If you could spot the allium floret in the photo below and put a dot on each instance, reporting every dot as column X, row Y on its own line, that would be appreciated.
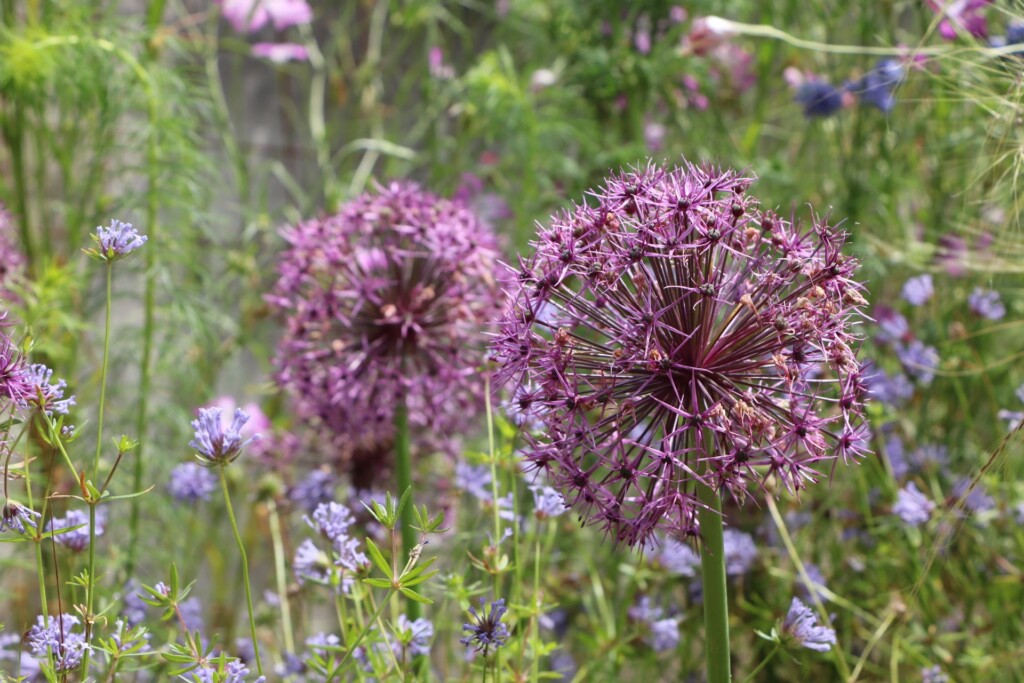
column 687, row 336
column 385, row 303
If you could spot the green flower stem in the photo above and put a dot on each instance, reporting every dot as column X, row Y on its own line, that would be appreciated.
column 763, row 664
column 40, row 567
column 403, row 467
column 245, row 568
column 362, row 634
column 103, row 374
column 90, row 588
column 279, row 574
column 535, row 626
column 494, row 476
column 716, row 600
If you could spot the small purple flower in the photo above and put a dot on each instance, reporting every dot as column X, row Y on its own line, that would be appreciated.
column 1013, row 418
column 896, row 453
column 876, row 86
column 279, row 53
column 679, row 558
column 975, row 498
column 819, row 99
column 485, row 629
column 912, row 506
column 191, row 482
column 893, row 328
column 418, row 635
column 801, row 625
column 249, row 16
column 331, row 521
column 115, row 242
column 314, row 490
column 930, row 455
column 474, row 480
column 133, row 607
column 933, row 674
column 77, row 540
column 17, row 518
column 547, row 502
column 919, row 360
column 664, row 635
column 58, row 638
column 311, row 563
column 892, row 390
column 986, row 303
column 961, row 16
column 215, row 445
column 816, row 577
column 740, row 552
column 918, row 290
column 47, row 397
column 218, row 670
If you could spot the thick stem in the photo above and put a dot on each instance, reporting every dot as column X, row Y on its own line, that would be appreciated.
column 245, row 569
column 716, row 600
column 403, row 468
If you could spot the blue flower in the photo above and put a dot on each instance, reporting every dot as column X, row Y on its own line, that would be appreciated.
column 802, row 626
column 191, row 483
column 986, row 303
column 912, row 506
column 875, row 87
column 486, row 629
column 918, row 290
column 215, row 445
column 115, row 242
column 819, row 98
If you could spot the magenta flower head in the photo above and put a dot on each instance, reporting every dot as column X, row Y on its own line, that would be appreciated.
column 386, row 302
column 675, row 333
column 115, row 242
column 214, row 445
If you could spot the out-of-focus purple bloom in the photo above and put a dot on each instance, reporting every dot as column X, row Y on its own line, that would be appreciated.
column 1013, row 418
column 893, row 328
column 816, row 577
column 689, row 314
column 214, row 445
column 228, row 670
column 919, row 360
column 16, row 660
column 918, row 290
column 740, row 552
column 47, row 397
column 664, row 635
column 485, row 629
column 819, row 99
column 474, row 480
column 420, row 633
column 249, row 16
column 912, row 506
column 436, row 65
column 115, row 242
column 897, row 456
column 315, row 489
column 77, row 540
column 961, row 16
column 57, row 638
column 986, row 303
column 133, row 607
column 17, row 517
column 385, row 303
column 654, row 136
column 975, row 499
column 930, row 455
column 489, row 207
column 192, row 614
column 191, row 482
column 547, row 502
column 933, row 674
column 331, row 521
column 311, row 563
column 876, row 86
column 678, row 558
column 802, row 626
column 892, row 390
column 279, row 53
column 642, row 38
column 1018, row 513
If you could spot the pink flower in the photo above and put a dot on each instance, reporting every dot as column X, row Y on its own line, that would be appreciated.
column 249, row 16
column 279, row 53
column 961, row 16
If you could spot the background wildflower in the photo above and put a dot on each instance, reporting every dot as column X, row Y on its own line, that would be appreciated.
column 801, row 625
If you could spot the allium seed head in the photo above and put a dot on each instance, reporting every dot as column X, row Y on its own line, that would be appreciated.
column 385, row 302
column 689, row 337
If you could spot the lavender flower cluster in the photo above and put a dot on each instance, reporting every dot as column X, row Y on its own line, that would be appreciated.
column 672, row 332
column 385, row 303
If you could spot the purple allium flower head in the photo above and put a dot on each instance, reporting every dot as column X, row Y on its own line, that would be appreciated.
column 912, row 506
column 315, row 489
column 485, row 629
column 421, row 632
column 57, row 638
column 697, row 339
column 919, row 360
column 740, row 552
column 115, row 242
column 986, row 303
column 279, row 53
column 819, row 98
column 215, row 445
column 802, row 626
column 961, row 16
column 16, row 384
column 918, row 290
column 876, row 86
column 77, row 540
column 47, row 397
column 933, row 674
column 385, row 302
column 17, row 517
column 249, row 16
column 547, row 502
column 191, row 482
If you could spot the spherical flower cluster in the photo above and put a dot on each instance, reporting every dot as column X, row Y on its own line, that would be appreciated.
column 385, row 303
column 55, row 637
column 115, row 242
column 48, row 398
column 191, row 482
column 673, row 333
